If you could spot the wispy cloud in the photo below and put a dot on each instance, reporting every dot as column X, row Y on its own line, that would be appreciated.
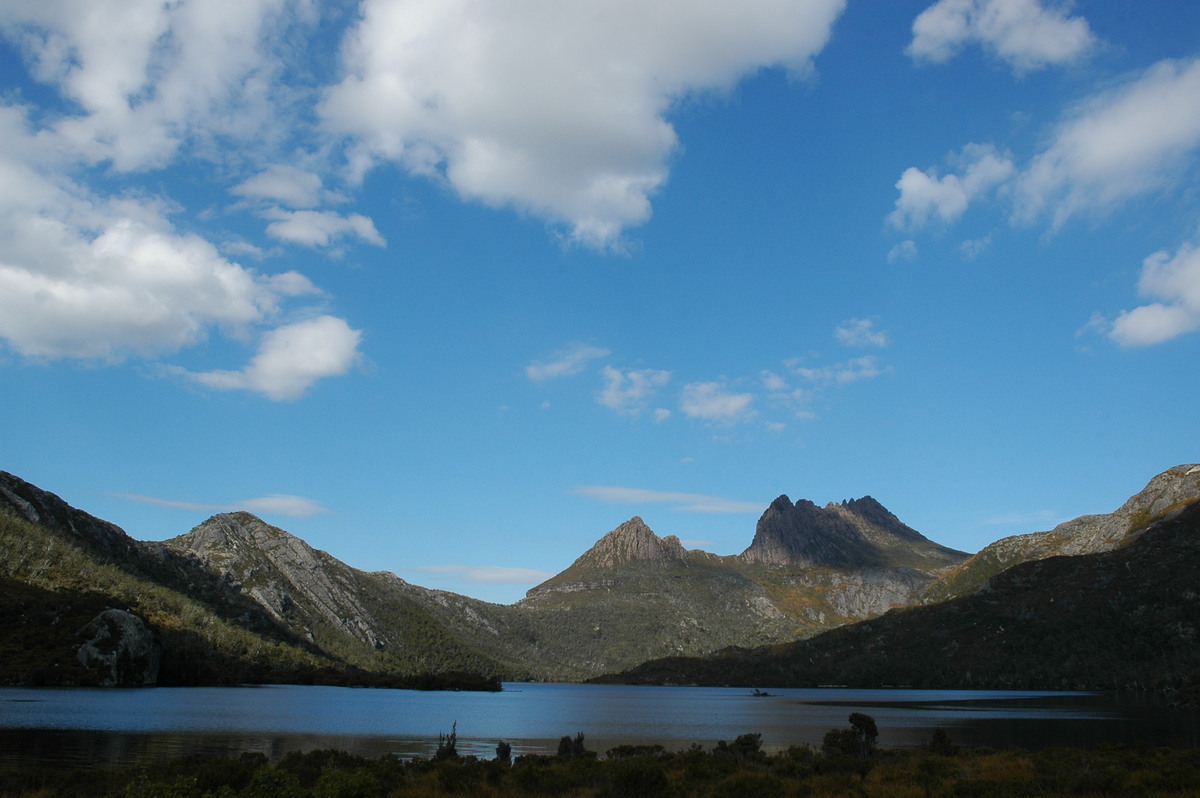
column 711, row 401
column 1038, row 519
column 853, row 370
column 860, row 333
column 564, row 362
column 684, row 502
column 273, row 504
column 489, row 574
column 629, row 391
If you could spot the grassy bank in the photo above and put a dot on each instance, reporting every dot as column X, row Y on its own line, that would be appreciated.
column 730, row 770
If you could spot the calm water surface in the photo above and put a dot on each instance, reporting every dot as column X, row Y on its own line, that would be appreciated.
column 80, row 726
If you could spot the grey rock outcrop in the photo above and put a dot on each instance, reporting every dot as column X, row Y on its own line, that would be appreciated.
column 632, row 541
column 119, row 649
column 283, row 574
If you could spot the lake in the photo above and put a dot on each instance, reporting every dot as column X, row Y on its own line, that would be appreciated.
column 83, row 727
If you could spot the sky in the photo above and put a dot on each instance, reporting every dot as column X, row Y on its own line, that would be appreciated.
column 453, row 289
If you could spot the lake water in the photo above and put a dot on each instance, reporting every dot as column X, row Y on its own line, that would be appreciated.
column 81, row 726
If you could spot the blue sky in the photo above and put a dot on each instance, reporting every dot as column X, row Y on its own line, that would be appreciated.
column 454, row 289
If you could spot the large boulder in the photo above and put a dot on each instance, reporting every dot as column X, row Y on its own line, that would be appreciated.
column 119, row 649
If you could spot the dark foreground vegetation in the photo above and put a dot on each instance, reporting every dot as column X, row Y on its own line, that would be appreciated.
column 848, row 764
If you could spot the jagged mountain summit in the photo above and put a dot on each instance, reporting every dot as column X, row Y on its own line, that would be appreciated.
column 859, row 533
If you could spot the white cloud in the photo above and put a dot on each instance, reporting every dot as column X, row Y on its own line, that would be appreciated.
column 555, row 109
column 629, row 391
column 904, row 250
column 712, row 402
column 860, row 333
column 282, row 183
column 489, row 574
column 274, row 504
column 148, row 76
column 291, row 358
column 685, row 502
column 924, row 195
column 320, row 228
column 86, row 277
column 565, row 363
column 1175, row 282
column 1118, row 144
column 853, row 370
column 1023, row 33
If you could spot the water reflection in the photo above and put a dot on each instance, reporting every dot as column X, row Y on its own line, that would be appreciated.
column 104, row 726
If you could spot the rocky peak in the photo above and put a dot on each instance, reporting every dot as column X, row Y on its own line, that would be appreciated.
column 871, row 511
column 632, row 541
column 807, row 535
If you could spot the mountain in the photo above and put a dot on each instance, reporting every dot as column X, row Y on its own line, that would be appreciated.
column 1123, row 613
column 237, row 599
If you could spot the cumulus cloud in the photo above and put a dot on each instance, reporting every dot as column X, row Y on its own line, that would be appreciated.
column 320, row 228
column 1116, row 145
column 684, row 502
column 629, row 391
column 1172, row 280
column 1023, row 33
column 291, row 358
column 148, row 76
column 273, row 504
column 924, row 195
column 136, row 86
column 566, row 362
column 558, row 109
column 711, row 401
column 82, row 276
column 860, row 333
column 282, row 183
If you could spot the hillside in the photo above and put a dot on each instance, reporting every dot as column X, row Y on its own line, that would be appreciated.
column 1128, row 617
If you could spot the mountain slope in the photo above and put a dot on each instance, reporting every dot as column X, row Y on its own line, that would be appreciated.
column 1128, row 617
column 1089, row 534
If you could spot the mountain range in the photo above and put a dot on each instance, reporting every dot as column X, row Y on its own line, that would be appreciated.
column 236, row 599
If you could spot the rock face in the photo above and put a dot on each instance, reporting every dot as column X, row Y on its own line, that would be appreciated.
column 282, row 573
column 119, row 649
column 860, row 533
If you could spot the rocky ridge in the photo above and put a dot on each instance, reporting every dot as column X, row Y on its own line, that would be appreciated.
column 859, row 533
column 1167, row 494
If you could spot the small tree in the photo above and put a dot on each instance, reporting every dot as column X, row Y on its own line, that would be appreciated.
column 504, row 752
column 858, row 740
column 447, row 744
column 866, row 732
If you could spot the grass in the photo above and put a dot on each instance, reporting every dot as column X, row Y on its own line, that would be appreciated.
column 734, row 770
